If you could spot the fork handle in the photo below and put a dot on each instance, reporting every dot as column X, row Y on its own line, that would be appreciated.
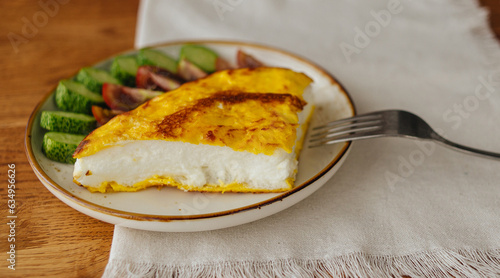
column 465, row 149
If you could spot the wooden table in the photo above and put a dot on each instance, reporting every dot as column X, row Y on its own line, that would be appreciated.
column 51, row 238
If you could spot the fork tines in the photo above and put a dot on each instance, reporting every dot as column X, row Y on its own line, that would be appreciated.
column 346, row 129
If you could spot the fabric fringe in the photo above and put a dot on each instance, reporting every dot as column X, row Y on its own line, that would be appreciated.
column 443, row 263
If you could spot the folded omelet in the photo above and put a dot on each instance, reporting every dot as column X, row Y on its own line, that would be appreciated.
column 233, row 131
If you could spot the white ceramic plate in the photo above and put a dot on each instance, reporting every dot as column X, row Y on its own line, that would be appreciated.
column 173, row 210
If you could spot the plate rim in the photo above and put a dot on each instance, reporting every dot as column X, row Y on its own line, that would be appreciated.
column 168, row 218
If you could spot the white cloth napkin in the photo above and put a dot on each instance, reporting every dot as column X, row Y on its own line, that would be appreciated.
column 395, row 207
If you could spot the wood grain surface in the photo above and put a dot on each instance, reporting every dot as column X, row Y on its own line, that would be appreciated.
column 52, row 239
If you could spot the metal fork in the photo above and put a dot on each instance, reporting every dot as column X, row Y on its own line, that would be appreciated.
column 396, row 123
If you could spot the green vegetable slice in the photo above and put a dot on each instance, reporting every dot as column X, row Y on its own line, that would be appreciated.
column 124, row 68
column 60, row 146
column 72, row 96
column 74, row 123
column 93, row 78
column 156, row 58
column 201, row 56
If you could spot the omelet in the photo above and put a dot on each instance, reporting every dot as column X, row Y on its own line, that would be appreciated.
column 238, row 130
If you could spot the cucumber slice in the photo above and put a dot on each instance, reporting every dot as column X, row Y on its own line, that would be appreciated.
column 60, row 146
column 75, row 97
column 199, row 55
column 93, row 78
column 156, row 58
column 68, row 122
column 124, row 68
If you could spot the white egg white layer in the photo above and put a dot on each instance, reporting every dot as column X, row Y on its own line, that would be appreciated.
column 193, row 165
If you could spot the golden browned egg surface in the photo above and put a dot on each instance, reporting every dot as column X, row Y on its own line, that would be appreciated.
column 254, row 110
